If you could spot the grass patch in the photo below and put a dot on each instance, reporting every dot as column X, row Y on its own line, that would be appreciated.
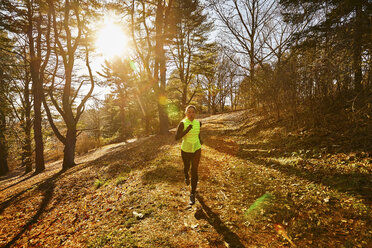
column 99, row 182
column 116, row 239
column 121, row 179
column 288, row 161
column 130, row 222
column 100, row 241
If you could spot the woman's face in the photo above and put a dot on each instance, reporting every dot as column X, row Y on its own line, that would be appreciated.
column 190, row 113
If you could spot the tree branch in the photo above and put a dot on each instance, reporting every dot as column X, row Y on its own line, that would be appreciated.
column 51, row 122
column 81, row 107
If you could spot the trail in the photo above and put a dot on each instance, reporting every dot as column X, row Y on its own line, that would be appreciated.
column 133, row 195
column 17, row 181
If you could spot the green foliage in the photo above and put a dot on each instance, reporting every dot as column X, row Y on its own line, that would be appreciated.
column 189, row 30
column 175, row 114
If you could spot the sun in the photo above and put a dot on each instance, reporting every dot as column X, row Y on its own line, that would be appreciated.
column 111, row 39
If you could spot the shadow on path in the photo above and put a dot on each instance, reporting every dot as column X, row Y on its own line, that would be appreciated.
column 356, row 184
column 20, row 181
column 47, row 187
column 214, row 220
column 165, row 173
column 19, row 172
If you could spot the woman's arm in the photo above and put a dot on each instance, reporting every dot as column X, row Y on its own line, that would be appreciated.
column 180, row 133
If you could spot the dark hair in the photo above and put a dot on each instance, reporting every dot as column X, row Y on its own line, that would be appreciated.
column 190, row 106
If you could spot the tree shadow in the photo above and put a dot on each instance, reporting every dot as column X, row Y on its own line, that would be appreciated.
column 214, row 220
column 145, row 149
column 114, row 162
column 20, row 181
column 6, row 203
column 48, row 188
column 10, row 199
column 110, row 160
column 13, row 173
column 166, row 173
column 356, row 184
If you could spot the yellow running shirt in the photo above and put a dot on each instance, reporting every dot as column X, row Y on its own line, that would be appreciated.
column 191, row 141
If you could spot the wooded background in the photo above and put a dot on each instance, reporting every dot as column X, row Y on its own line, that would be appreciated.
column 308, row 62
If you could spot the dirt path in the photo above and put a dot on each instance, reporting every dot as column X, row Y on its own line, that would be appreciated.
column 16, row 182
column 134, row 196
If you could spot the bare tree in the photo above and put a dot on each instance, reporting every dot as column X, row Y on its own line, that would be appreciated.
column 68, row 49
column 245, row 24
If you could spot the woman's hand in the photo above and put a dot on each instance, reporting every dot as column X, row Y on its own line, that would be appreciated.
column 188, row 128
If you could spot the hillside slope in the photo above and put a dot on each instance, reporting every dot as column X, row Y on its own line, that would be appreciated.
column 259, row 186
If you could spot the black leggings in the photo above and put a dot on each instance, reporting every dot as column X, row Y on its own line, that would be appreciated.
column 192, row 159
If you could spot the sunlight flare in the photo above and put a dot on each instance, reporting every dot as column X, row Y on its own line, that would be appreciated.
column 163, row 100
column 111, row 39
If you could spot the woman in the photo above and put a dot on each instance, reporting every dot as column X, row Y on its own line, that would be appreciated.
column 189, row 131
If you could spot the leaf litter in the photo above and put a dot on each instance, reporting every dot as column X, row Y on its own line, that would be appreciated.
column 254, row 190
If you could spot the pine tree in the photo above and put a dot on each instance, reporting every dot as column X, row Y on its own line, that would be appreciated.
column 190, row 28
column 340, row 25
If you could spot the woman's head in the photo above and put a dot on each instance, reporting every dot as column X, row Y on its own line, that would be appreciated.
column 190, row 112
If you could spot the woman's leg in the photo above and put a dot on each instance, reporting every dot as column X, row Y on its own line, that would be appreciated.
column 186, row 158
column 194, row 170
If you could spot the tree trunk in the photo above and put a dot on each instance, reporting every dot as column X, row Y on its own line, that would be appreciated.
column 209, row 102
column 146, row 120
column 369, row 82
column 184, row 96
column 38, row 136
column 69, row 150
column 357, row 49
column 38, row 94
column 163, row 115
column 27, row 150
column 3, row 147
column 214, row 107
column 27, row 145
column 124, row 131
column 160, row 68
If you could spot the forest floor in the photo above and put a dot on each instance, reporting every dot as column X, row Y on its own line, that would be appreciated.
column 260, row 185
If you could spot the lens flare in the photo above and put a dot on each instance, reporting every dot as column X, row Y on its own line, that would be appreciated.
column 257, row 206
column 174, row 112
column 133, row 65
column 111, row 39
column 163, row 100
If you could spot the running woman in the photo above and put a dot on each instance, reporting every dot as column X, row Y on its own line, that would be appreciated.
column 189, row 131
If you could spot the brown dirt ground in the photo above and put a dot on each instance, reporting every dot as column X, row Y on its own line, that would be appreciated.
column 254, row 176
